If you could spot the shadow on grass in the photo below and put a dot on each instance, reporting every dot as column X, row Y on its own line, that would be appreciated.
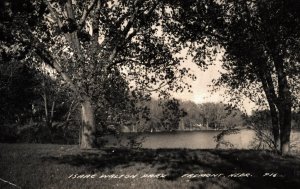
column 177, row 162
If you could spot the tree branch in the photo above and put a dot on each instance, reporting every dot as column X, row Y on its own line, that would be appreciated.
column 39, row 49
column 132, row 34
column 121, row 19
column 54, row 14
column 85, row 14
column 120, row 62
column 161, row 85
column 152, row 9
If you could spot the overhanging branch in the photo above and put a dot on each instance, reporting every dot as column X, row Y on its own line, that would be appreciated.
column 85, row 14
column 54, row 14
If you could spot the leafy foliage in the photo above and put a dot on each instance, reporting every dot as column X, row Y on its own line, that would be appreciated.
column 17, row 92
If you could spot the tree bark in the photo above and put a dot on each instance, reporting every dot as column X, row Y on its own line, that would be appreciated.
column 275, row 126
column 285, row 128
column 52, row 111
column 269, row 90
column 88, row 138
column 284, row 105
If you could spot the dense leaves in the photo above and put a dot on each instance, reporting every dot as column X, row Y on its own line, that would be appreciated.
column 17, row 88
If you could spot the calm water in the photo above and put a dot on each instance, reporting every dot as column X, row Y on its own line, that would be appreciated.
column 244, row 139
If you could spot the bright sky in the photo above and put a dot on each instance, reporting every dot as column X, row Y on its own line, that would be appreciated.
column 200, row 87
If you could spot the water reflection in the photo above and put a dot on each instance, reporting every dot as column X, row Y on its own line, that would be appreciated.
column 244, row 139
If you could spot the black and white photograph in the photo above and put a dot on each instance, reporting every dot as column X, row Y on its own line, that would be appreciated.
column 149, row 94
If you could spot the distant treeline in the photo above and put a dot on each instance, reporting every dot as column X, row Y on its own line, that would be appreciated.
column 170, row 115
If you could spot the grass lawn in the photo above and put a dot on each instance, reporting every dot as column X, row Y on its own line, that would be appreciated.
column 49, row 166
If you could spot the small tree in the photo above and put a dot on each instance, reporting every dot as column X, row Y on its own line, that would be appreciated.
column 172, row 114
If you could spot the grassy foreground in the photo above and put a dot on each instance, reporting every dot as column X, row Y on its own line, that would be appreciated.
column 49, row 166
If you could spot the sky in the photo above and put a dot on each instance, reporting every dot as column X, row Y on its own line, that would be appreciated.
column 201, row 91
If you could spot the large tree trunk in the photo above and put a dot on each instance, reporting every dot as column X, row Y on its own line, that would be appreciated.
column 285, row 116
column 284, row 105
column 88, row 138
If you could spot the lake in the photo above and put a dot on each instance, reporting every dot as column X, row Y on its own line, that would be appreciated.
column 244, row 139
